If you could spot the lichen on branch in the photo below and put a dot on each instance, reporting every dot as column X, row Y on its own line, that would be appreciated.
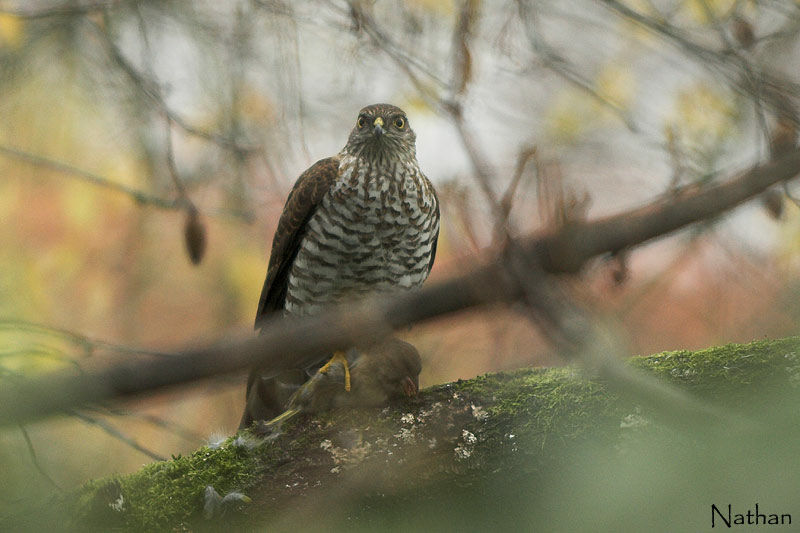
column 452, row 438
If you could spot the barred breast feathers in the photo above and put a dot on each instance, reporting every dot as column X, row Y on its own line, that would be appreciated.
column 372, row 231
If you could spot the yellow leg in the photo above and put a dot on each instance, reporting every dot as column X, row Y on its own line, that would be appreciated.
column 341, row 358
column 283, row 417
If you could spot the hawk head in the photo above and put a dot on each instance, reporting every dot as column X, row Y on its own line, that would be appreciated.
column 382, row 133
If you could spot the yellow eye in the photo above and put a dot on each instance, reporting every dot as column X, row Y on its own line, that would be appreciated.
column 399, row 123
column 361, row 122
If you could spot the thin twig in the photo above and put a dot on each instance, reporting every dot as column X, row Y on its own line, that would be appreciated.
column 173, row 169
column 412, row 67
column 559, row 65
column 752, row 77
column 182, row 431
column 82, row 9
column 462, row 44
column 35, row 459
column 87, row 344
column 117, row 434
column 91, row 178
column 713, row 60
column 150, row 90
column 507, row 201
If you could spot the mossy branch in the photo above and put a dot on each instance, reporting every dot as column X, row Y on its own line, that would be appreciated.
column 500, row 432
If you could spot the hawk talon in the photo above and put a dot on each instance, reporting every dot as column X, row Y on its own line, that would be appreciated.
column 339, row 357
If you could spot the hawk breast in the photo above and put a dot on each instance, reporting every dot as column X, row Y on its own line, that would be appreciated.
column 374, row 230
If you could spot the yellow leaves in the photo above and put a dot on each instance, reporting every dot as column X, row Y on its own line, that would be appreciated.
column 569, row 115
column 704, row 12
column 575, row 111
column 703, row 116
column 699, row 10
column 438, row 7
column 632, row 28
column 416, row 104
column 616, row 84
column 80, row 204
column 12, row 30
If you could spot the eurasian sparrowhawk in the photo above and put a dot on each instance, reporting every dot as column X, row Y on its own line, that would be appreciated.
column 363, row 221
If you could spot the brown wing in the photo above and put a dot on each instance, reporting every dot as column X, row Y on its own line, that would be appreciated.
column 435, row 237
column 301, row 204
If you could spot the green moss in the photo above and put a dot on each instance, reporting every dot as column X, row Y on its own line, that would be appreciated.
column 472, row 426
column 728, row 372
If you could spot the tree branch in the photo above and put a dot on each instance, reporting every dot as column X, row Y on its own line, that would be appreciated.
column 136, row 195
column 499, row 442
column 293, row 343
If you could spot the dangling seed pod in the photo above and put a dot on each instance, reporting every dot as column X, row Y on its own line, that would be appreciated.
column 743, row 31
column 772, row 201
column 194, row 234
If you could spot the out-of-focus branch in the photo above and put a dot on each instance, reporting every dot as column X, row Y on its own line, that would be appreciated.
column 553, row 61
column 35, row 458
column 87, row 344
column 136, row 195
column 117, row 434
column 576, row 337
column 770, row 89
column 675, row 35
column 751, row 74
column 149, row 89
column 67, row 10
column 413, row 68
column 89, row 177
column 595, row 345
column 294, row 343
column 167, row 425
column 173, row 169
column 525, row 154
column 462, row 36
column 568, row 249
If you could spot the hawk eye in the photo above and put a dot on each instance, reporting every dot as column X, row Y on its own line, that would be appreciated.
column 399, row 123
column 361, row 121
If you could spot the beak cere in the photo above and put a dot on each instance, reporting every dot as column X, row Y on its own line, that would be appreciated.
column 378, row 126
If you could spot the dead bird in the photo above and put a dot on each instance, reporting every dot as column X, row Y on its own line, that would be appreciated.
column 377, row 375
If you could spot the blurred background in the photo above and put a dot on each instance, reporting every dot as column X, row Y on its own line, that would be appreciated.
column 127, row 123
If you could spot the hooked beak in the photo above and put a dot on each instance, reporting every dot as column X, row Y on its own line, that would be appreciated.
column 378, row 126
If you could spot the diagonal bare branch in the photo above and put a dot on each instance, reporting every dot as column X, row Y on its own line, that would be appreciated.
column 117, row 434
column 138, row 196
column 293, row 343
column 87, row 344
column 35, row 458
column 149, row 88
column 89, row 177
column 66, row 10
